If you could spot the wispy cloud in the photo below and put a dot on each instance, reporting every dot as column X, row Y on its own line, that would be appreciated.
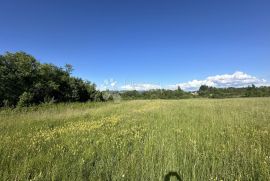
column 237, row 79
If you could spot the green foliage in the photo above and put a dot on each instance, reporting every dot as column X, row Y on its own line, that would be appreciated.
column 25, row 81
column 107, row 95
column 156, row 94
column 250, row 91
column 26, row 99
column 204, row 91
column 98, row 97
column 18, row 72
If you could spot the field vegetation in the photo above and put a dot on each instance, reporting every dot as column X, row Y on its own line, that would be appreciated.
column 200, row 139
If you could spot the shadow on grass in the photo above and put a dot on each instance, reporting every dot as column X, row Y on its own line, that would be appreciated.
column 170, row 175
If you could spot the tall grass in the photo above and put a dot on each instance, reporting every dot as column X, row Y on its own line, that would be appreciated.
column 200, row 139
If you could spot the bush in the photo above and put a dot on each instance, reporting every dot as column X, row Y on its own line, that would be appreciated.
column 26, row 99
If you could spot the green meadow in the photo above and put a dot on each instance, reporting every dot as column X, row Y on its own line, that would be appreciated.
column 200, row 139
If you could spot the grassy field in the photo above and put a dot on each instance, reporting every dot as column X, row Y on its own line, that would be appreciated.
column 201, row 139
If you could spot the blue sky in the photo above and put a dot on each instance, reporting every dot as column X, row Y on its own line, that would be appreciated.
column 144, row 42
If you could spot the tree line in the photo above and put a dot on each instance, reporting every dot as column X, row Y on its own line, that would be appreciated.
column 203, row 92
column 156, row 94
column 230, row 92
column 25, row 81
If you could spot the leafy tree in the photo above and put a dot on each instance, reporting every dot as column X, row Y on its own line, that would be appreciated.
column 25, row 81
column 18, row 71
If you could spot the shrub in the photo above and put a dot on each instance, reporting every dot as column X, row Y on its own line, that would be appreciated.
column 26, row 99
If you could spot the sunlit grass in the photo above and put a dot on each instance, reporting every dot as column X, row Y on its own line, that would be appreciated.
column 200, row 139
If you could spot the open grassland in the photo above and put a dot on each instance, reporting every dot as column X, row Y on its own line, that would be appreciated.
column 200, row 139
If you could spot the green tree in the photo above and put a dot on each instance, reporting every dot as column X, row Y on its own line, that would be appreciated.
column 25, row 81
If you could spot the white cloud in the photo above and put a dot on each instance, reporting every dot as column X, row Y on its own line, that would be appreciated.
column 110, row 84
column 237, row 79
column 140, row 87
